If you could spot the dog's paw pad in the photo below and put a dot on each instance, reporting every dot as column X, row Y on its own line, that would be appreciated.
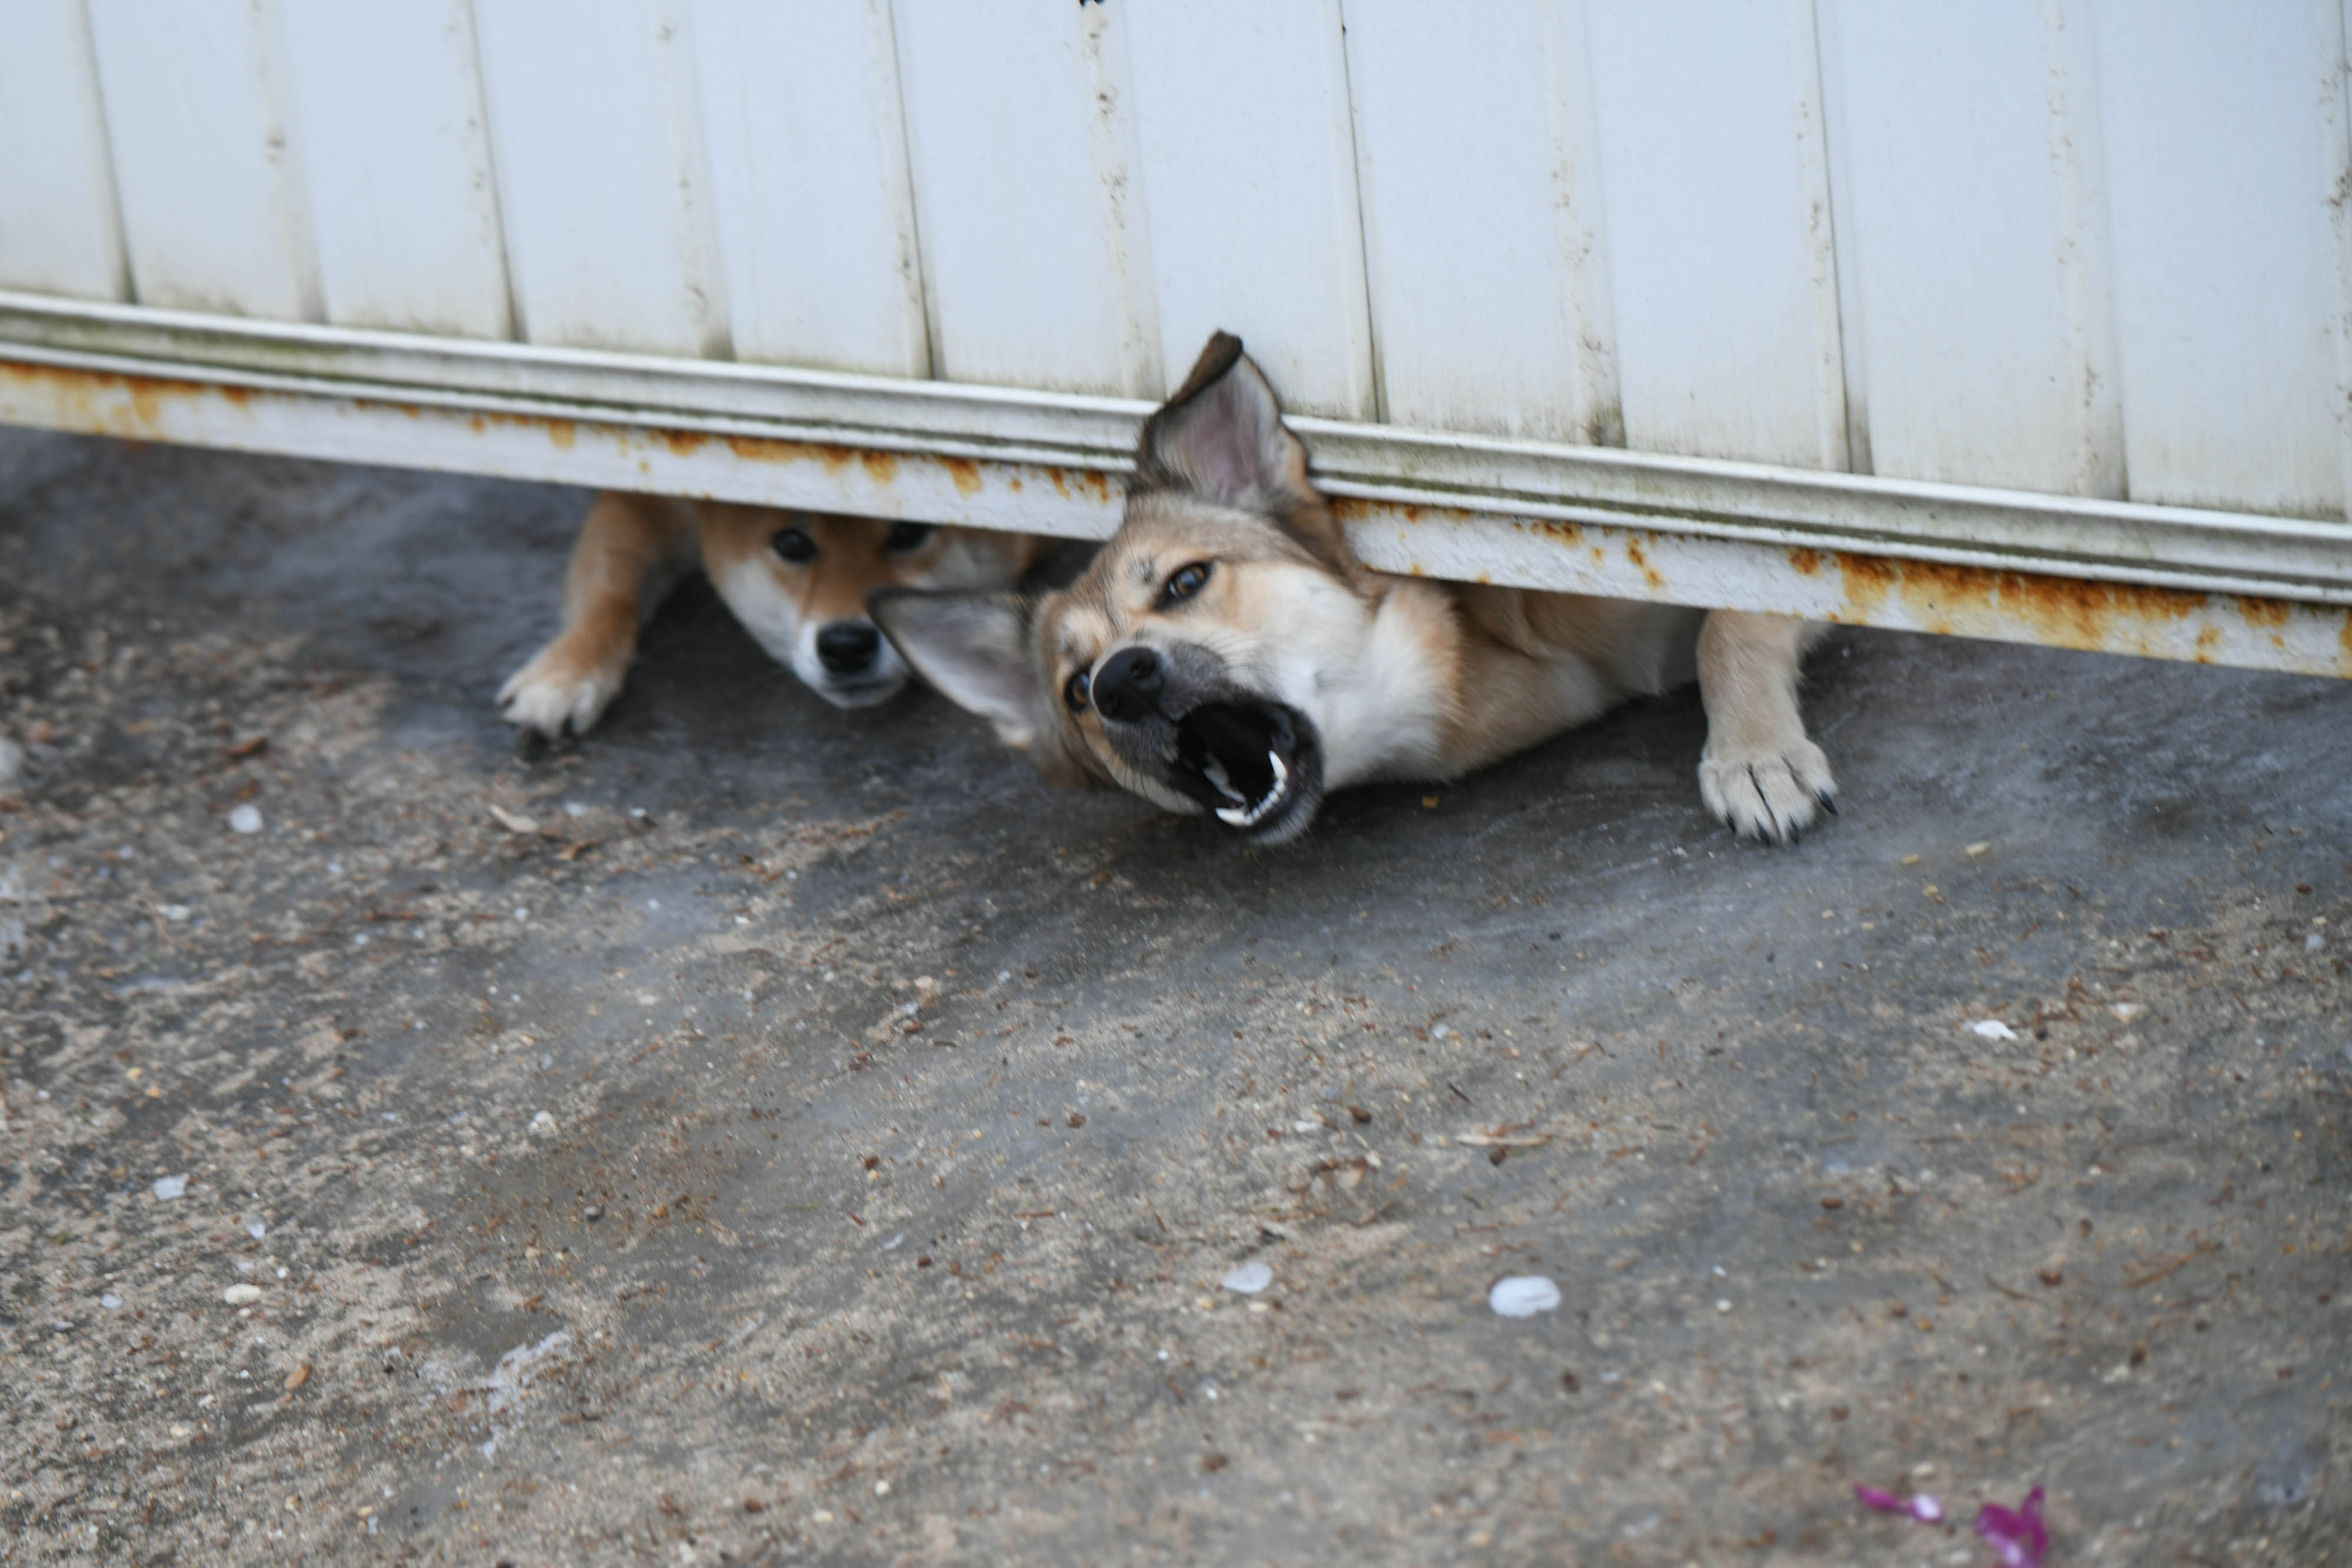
column 1768, row 794
column 550, row 694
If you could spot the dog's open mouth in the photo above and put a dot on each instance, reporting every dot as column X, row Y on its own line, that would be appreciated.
column 1247, row 762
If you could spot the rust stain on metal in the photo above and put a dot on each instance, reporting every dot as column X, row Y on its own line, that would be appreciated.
column 2270, row 612
column 965, row 472
column 682, row 443
column 562, row 434
column 882, row 467
column 131, row 407
column 1808, row 562
column 1641, row 564
column 2058, row 612
column 766, row 450
column 1092, row 482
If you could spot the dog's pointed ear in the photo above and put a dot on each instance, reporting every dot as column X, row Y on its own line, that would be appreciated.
column 972, row 646
column 1221, row 436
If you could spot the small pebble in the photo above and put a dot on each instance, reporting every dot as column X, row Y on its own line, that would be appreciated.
column 245, row 819
column 254, row 1228
column 881, row 1488
column 170, row 1188
column 241, row 1295
column 543, row 1124
column 1523, row 1295
column 110, row 1301
column 593, row 1213
column 1249, row 1278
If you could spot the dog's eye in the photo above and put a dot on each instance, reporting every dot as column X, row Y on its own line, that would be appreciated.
column 907, row 536
column 1078, row 690
column 794, row 546
column 1186, row 581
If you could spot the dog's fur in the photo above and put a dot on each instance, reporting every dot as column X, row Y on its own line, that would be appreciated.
column 1226, row 652
column 798, row 581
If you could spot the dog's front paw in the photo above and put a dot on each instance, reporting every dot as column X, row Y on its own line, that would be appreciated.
column 1769, row 791
column 558, row 688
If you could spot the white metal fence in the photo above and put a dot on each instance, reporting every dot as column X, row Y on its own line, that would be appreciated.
column 2021, row 318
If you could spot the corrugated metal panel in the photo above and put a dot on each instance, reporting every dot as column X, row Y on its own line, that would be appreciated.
column 1720, row 235
column 611, row 240
column 1479, row 163
column 2007, row 264
column 1036, row 253
column 57, row 228
column 808, row 179
column 397, row 165
column 1970, row 216
column 2222, row 151
column 1241, row 110
column 214, row 212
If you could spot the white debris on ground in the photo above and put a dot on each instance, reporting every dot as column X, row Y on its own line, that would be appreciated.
column 170, row 1188
column 241, row 1295
column 1523, row 1295
column 12, row 761
column 512, row 1378
column 1993, row 1029
column 543, row 1125
column 245, row 819
column 1249, row 1278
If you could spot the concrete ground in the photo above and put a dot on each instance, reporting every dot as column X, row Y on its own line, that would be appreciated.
column 765, row 1133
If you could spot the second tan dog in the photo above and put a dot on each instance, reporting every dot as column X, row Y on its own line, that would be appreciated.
column 796, row 580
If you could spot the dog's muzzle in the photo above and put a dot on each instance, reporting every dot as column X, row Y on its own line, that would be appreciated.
column 1253, row 764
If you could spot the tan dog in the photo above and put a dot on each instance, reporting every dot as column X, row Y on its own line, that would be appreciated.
column 796, row 580
column 1226, row 653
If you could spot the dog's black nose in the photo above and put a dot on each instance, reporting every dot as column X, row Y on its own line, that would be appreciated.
column 1128, row 685
column 847, row 648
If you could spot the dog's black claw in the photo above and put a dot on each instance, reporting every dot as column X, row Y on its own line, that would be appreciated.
column 1829, row 804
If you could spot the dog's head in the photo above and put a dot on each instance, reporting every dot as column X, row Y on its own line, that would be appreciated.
column 1210, row 656
column 798, row 581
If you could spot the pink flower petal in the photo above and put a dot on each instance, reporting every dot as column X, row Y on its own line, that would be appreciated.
column 1871, row 1497
column 1927, row 1510
column 2017, row 1534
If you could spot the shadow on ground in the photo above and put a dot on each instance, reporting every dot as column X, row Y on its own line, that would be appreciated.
column 774, row 1133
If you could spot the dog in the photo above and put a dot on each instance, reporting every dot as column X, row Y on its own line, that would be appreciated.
column 1225, row 653
column 797, row 581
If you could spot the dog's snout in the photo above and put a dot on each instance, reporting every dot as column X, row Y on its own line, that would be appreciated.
column 847, row 648
column 1128, row 685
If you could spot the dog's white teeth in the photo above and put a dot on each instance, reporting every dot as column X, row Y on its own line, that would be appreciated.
column 1215, row 771
column 1235, row 816
column 1281, row 774
column 1253, row 815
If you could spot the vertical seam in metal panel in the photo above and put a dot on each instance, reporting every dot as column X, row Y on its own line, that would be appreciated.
column 512, row 253
column 121, row 281
column 300, row 239
column 1600, row 403
column 2086, row 273
column 1363, row 227
column 2335, row 158
column 934, row 344
column 706, row 265
column 1829, row 444
column 473, row 46
column 1844, row 260
column 908, row 213
column 1118, row 165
